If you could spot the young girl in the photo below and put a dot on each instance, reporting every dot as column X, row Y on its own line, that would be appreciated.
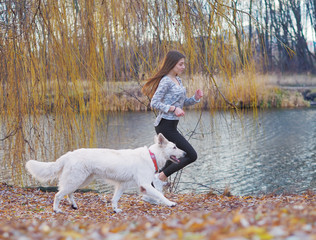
column 168, row 96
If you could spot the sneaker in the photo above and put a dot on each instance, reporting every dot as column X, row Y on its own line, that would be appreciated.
column 158, row 184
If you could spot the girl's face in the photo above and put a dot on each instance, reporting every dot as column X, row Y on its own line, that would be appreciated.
column 179, row 67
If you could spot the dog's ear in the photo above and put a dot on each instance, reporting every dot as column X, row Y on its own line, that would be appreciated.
column 160, row 139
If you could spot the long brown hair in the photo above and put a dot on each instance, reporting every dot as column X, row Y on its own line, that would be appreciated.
column 170, row 60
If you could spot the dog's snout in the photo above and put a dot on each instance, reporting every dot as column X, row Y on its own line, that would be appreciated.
column 183, row 153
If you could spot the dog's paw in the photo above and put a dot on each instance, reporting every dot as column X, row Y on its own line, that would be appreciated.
column 117, row 210
column 74, row 207
column 58, row 211
column 172, row 204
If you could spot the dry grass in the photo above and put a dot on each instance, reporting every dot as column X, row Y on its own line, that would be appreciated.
column 248, row 90
column 244, row 90
column 294, row 80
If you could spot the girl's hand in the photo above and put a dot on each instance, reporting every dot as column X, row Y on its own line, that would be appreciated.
column 198, row 94
column 179, row 112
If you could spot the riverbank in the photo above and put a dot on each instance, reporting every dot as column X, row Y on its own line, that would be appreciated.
column 244, row 91
column 27, row 214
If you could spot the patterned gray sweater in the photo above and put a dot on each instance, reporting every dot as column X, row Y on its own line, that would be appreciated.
column 169, row 94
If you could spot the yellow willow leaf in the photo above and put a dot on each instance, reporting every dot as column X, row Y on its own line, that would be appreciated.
column 196, row 226
column 237, row 218
column 265, row 236
column 71, row 234
column 259, row 231
column 119, row 228
column 180, row 233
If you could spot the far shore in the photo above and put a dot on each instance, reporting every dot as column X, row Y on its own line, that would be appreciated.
column 273, row 91
column 259, row 91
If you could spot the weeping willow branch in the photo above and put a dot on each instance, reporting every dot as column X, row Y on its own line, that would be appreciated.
column 134, row 96
column 59, row 65
column 10, row 134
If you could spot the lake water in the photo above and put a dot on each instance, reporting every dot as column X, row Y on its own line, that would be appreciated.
column 272, row 151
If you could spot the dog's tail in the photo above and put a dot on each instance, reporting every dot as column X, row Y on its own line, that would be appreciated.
column 46, row 171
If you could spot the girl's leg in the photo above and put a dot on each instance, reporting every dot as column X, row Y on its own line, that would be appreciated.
column 169, row 129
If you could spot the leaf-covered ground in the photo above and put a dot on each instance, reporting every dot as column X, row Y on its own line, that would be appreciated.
column 27, row 214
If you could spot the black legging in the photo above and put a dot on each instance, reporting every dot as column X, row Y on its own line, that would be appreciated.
column 169, row 129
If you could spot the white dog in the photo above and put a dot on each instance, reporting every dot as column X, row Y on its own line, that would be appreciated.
column 123, row 168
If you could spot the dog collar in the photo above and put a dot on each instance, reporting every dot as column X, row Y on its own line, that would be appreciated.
column 153, row 157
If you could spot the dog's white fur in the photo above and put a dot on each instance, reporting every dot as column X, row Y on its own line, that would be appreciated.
column 123, row 168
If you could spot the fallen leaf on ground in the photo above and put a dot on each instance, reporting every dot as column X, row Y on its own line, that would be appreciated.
column 27, row 214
